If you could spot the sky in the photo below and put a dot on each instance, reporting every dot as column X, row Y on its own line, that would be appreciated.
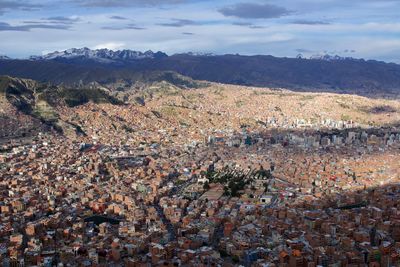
column 367, row 29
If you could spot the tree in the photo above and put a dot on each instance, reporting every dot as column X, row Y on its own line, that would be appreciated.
column 354, row 177
column 223, row 253
column 206, row 186
column 266, row 186
column 226, row 191
column 235, row 259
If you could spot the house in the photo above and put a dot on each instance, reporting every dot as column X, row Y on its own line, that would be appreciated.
column 266, row 199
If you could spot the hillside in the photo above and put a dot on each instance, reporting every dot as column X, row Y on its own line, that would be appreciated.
column 371, row 78
column 42, row 104
column 39, row 103
column 191, row 115
column 197, row 112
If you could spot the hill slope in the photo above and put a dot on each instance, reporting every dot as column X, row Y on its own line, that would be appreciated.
column 342, row 76
column 188, row 114
column 40, row 102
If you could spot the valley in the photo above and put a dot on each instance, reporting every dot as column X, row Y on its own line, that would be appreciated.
column 195, row 172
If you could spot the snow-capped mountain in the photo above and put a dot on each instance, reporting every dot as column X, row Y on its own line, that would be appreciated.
column 198, row 54
column 3, row 57
column 103, row 55
column 327, row 57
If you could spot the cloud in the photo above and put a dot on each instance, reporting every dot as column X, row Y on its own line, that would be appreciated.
column 110, row 45
column 302, row 50
column 354, row 25
column 257, row 27
column 254, row 11
column 120, row 28
column 125, row 3
column 59, row 23
column 179, row 23
column 62, row 20
column 247, row 24
column 27, row 27
column 339, row 52
column 310, row 22
column 118, row 18
column 6, row 6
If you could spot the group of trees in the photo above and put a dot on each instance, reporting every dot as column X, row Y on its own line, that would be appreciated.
column 234, row 180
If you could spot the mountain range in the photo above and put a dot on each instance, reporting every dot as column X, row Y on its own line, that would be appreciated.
column 100, row 55
column 323, row 73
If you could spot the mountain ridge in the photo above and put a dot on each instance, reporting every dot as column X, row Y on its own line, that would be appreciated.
column 104, row 54
column 128, row 54
column 322, row 74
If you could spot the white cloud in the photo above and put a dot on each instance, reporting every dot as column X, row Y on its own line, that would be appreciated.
column 111, row 45
column 370, row 29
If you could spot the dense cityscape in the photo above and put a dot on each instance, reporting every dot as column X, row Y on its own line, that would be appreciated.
column 198, row 133
column 149, row 189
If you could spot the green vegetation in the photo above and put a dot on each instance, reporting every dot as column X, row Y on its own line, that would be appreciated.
column 39, row 100
column 138, row 99
column 157, row 114
column 127, row 128
column 380, row 109
column 206, row 186
column 235, row 259
column 354, row 206
column 45, row 112
column 194, row 97
column 259, row 93
column 168, row 111
column 307, row 97
column 286, row 94
column 343, row 105
column 142, row 86
column 76, row 97
column 223, row 253
column 239, row 103
column 159, row 90
column 218, row 91
column 183, row 124
column 177, row 80
column 235, row 180
column 278, row 93
column 344, row 117
column 4, row 82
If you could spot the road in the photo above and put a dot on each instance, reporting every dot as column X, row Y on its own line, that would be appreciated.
column 176, row 190
column 168, row 224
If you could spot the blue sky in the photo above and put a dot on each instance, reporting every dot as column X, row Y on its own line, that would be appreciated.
column 355, row 28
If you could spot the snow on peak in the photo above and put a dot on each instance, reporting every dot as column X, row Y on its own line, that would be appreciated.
column 99, row 54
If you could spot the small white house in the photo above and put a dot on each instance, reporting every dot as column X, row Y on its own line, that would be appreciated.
column 266, row 199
